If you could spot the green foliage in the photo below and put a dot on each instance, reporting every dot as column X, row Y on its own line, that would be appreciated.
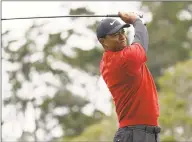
column 73, row 121
column 80, row 10
column 87, row 60
column 167, row 34
column 102, row 131
column 168, row 139
column 175, row 104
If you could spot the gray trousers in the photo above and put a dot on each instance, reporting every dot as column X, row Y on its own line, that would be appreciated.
column 138, row 133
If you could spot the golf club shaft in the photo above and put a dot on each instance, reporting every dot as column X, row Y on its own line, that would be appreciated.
column 110, row 15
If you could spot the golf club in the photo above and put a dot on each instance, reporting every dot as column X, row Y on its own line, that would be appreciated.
column 110, row 15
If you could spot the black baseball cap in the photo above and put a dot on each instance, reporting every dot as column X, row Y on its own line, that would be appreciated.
column 109, row 26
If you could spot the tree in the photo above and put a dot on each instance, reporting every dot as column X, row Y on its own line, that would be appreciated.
column 175, row 101
column 42, row 68
column 169, row 33
column 101, row 131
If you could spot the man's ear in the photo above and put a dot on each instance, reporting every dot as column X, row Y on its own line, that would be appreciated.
column 101, row 40
column 103, row 43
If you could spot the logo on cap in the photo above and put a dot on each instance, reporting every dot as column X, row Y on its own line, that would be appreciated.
column 112, row 22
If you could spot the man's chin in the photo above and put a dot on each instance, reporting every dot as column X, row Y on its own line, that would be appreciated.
column 120, row 48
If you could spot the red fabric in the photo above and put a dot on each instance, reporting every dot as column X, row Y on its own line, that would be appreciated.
column 131, row 85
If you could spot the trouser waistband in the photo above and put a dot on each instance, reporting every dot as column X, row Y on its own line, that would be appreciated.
column 149, row 129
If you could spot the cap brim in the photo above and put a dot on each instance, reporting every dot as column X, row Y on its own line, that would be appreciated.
column 117, row 28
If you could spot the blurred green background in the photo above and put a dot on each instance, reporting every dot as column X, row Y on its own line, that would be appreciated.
column 52, row 87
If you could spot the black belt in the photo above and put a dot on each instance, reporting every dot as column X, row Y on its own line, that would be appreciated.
column 149, row 129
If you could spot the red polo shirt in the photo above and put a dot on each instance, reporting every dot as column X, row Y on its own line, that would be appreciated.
column 131, row 85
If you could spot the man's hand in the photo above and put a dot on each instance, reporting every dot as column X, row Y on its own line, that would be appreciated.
column 129, row 17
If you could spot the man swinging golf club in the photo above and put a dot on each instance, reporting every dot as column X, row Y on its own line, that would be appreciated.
column 124, row 70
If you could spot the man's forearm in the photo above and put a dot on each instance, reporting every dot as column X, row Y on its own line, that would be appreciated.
column 141, row 34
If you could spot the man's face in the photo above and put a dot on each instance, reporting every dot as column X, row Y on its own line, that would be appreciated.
column 115, row 42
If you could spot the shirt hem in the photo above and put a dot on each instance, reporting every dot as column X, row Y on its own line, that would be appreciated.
column 149, row 121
